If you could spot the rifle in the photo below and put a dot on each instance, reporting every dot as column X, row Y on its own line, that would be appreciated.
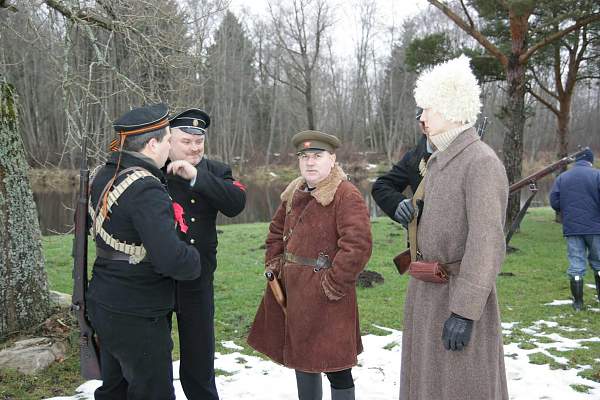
column 481, row 128
column 531, row 181
column 88, row 348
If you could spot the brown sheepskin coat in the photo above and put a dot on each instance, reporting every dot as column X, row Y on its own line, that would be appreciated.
column 321, row 331
column 466, row 192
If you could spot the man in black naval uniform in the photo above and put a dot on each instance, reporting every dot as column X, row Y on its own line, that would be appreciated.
column 387, row 189
column 207, row 187
column 139, row 254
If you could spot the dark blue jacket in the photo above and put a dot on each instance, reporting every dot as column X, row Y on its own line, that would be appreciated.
column 576, row 194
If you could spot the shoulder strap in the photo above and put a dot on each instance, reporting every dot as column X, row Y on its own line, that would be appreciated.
column 412, row 227
column 287, row 237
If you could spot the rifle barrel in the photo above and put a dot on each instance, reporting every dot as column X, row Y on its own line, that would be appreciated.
column 533, row 178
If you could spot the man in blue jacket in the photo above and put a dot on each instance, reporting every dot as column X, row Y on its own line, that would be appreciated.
column 576, row 195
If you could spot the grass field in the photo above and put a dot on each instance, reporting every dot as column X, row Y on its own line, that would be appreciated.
column 532, row 276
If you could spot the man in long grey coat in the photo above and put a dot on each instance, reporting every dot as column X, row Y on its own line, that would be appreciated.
column 452, row 343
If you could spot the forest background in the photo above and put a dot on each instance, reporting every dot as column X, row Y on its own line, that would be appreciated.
column 77, row 65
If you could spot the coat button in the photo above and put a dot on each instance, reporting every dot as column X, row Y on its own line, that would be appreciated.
column 192, row 241
column 192, row 201
column 193, row 219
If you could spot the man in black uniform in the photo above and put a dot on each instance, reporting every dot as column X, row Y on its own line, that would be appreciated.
column 132, row 290
column 387, row 189
column 203, row 188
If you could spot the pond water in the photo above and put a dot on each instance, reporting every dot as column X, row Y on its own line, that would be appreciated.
column 55, row 207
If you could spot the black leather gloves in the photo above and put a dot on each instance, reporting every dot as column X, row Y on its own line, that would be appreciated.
column 405, row 212
column 457, row 332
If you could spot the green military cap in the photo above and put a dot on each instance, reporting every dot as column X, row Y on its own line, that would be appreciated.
column 315, row 140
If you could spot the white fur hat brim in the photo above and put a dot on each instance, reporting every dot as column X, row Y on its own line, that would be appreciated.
column 451, row 89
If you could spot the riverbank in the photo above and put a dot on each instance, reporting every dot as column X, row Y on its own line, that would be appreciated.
column 56, row 179
column 533, row 294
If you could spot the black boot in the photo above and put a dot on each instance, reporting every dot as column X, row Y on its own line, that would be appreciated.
column 342, row 394
column 597, row 278
column 577, row 291
column 310, row 386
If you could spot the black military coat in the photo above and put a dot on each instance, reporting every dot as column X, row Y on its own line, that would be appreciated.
column 143, row 215
column 387, row 189
column 214, row 191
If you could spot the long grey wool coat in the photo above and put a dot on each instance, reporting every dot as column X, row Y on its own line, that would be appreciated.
column 466, row 192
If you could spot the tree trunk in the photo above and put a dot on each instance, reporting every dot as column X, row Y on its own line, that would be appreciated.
column 513, row 140
column 24, row 298
column 564, row 119
column 310, row 116
column 515, row 75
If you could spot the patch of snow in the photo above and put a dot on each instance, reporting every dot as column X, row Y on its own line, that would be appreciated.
column 231, row 345
column 508, row 325
column 559, row 303
column 377, row 375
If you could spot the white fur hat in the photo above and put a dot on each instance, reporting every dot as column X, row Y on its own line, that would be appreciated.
column 451, row 89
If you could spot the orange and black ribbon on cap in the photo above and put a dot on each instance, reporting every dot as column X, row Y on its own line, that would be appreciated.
column 117, row 145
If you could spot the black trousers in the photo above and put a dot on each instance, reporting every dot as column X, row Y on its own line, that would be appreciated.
column 341, row 379
column 135, row 356
column 195, row 319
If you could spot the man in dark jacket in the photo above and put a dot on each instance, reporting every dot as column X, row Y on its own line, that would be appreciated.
column 207, row 187
column 132, row 290
column 576, row 195
column 387, row 189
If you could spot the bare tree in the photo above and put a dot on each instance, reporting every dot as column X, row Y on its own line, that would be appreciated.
column 569, row 61
column 300, row 31
column 514, row 61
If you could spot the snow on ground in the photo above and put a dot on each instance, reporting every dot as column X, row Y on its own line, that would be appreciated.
column 378, row 373
column 559, row 303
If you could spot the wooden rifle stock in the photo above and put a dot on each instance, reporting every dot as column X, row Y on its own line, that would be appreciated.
column 88, row 347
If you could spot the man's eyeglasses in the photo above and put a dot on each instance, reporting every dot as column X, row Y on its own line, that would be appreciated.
column 310, row 156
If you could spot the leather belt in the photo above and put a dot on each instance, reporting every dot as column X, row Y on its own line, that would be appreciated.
column 322, row 262
column 114, row 255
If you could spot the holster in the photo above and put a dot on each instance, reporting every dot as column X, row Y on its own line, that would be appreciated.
column 422, row 270
column 402, row 261
column 433, row 272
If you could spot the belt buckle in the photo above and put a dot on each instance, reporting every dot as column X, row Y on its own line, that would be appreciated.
column 321, row 262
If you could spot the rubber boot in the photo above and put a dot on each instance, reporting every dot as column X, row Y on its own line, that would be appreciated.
column 577, row 292
column 342, row 394
column 310, row 386
column 597, row 278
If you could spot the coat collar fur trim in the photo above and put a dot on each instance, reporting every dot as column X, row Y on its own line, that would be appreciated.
column 323, row 193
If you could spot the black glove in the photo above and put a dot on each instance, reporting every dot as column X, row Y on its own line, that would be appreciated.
column 405, row 212
column 457, row 332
